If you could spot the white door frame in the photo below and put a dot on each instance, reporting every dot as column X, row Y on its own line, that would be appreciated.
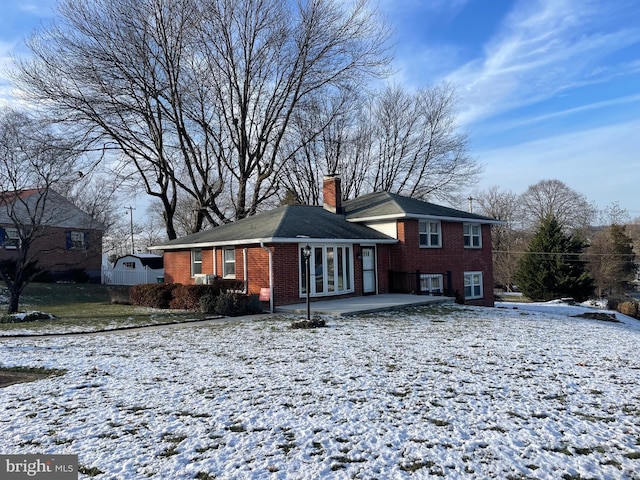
column 369, row 271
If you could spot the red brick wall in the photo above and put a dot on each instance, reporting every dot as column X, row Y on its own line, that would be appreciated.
column 177, row 266
column 50, row 250
column 405, row 256
column 452, row 256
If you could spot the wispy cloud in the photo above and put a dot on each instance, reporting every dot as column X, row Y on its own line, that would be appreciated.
column 544, row 47
column 595, row 162
column 41, row 8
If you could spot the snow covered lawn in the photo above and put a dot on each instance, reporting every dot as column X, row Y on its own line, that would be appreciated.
column 449, row 391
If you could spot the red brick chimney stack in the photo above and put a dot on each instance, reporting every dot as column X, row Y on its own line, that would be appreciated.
column 332, row 193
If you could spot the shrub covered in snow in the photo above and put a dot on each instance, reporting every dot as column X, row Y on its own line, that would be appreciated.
column 26, row 317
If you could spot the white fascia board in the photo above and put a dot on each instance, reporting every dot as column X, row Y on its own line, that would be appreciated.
column 425, row 217
column 257, row 241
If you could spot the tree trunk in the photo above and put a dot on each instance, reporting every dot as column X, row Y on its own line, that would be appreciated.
column 14, row 301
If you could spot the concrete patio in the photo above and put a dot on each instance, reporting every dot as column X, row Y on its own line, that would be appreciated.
column 367, row 304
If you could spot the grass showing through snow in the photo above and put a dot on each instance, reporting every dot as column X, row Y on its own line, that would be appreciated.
column 449, row 391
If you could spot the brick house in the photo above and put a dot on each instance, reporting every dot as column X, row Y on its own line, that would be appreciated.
column 67, row 239
column 376, row 243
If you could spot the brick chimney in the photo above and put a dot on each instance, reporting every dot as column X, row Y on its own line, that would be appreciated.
column 332, row 193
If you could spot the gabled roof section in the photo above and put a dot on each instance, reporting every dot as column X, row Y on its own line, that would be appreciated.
column 286, row 224
column 389, row 206
column 57, row 212
column 150, row 260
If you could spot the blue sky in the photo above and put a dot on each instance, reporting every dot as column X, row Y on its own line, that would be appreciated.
column 547, row 88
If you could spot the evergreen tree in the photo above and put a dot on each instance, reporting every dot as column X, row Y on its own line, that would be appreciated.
column 551, row 266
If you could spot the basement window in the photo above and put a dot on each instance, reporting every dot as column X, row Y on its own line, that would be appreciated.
column 473, row 285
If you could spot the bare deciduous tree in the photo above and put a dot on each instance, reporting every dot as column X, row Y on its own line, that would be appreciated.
column 267, row 64
column 198, row 96
column 420, row 152
column 554, row 198
column 508, row 239
column 611, row 260
column 392, row 140
column 33, row 160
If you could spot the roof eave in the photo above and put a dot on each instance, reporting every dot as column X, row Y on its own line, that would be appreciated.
column 257, row 241
column 415, row 216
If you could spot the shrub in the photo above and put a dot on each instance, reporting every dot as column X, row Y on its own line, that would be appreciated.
column 187, row 297
column 629, row 308
column 208, row 303
column 253, row 304
column 154, row 295
column 119, row 294
column 625, row 305
column 228, row 304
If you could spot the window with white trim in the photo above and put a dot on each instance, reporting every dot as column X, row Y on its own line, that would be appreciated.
column 196, row 262
column 229, row 263
column 473, row 285
column 430, row 234
column 472, row 235
column 12, row 238
column 77, row 241
column 130, row 265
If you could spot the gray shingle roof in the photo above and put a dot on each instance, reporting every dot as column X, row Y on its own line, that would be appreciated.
column 382, row 205
column 283, row 224
column 290, row 222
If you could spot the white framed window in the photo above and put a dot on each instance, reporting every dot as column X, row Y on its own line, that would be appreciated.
column 12, row 238
column 229, row 263
column 196, row 262
column 330, row 270
column 129, row 265
column 77, row 241
column 431, row 283
column 472, row 235
column 473, row 285
column 430, row 234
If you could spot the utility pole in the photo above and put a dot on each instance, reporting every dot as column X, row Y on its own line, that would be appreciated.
column 131, row 209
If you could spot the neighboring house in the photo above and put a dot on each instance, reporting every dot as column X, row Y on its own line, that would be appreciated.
column 134, row 269
column 376, row 243
column 67, row 239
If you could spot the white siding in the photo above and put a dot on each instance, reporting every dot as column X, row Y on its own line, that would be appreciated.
column 388, row 228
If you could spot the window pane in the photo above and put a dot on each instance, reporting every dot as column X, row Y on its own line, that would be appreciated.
column 196, row 262
column 303, row 272
column 331, row 271
column 318, row 266
column 229, row 262
column 339, row 262
column 347, row 267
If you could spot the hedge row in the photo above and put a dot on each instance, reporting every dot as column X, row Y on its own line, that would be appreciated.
column 204, row 298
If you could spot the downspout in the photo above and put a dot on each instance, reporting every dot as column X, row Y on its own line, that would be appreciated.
column 268, row 250
column 245, row 270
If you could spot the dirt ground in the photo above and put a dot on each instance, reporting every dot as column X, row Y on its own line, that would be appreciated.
column 11, row 378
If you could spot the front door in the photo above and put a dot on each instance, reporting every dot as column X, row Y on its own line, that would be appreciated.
column 368, row 270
